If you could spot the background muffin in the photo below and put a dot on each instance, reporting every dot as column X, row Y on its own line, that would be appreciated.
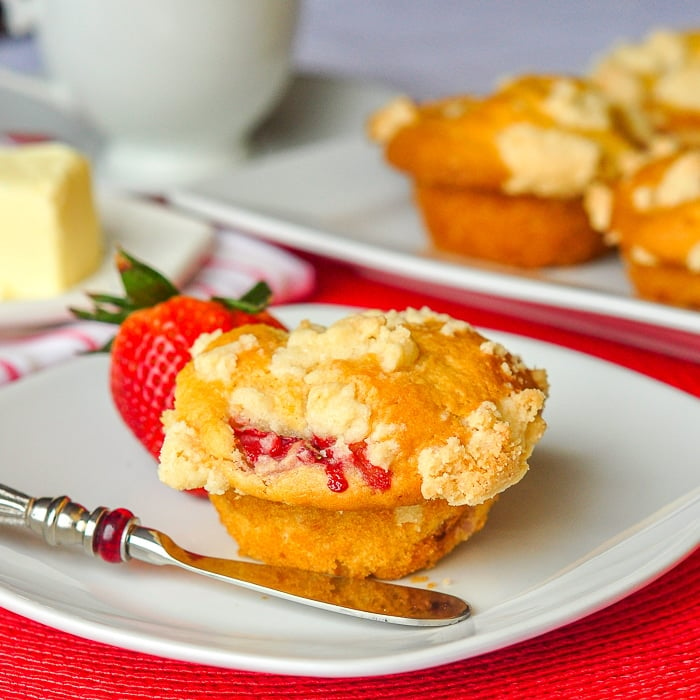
column 656, row 217
column 657, row 80
column 506, row 177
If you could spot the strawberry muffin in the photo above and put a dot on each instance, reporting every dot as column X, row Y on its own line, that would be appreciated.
column 508, row 177
column 657, row 77
column 656, row 217
column 370, row 447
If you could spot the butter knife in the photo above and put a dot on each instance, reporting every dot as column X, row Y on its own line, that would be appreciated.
column 117, row 536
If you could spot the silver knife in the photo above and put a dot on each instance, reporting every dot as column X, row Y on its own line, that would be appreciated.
column 117, row 536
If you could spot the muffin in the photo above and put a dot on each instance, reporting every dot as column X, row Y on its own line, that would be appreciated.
column 371, row 447
column 657, row 77
column 506, row 177
column 656, row 217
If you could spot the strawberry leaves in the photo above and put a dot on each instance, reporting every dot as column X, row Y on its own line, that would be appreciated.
column 145, row 287
column 255, row 300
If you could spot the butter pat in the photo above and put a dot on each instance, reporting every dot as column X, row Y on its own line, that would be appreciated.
column 50, row 237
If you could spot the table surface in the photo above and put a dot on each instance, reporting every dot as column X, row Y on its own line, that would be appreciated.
column 645, row 645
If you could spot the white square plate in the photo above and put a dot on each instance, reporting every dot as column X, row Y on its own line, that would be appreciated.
column 611, row 502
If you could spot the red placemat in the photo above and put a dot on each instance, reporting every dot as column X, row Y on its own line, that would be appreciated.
column 645, row 646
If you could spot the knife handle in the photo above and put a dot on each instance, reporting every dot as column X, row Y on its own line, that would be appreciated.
column 13, row 506
column 58, row 521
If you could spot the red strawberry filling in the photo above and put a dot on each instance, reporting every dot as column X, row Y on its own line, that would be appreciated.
column 259, row 444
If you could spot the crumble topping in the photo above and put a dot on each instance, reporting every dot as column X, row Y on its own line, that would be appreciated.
column 623, row 72
column 265, row 403
column 664, row 63
column 455, row 108
column 511, row 364
column 349, row 339
column 183, row 463
column 547, row 162
column 333, row 409
column 680, row 88
column 493, row 458
column 329, row 404
column 491, row 347
column 219, row 363
column 382, row 443
column 417, row 317
column 453, row 327
column 661, row 51
column 692, row 260
column 598, row 202
column 203, row 341
column 571, row 105
column 642, row 256
column 258, row 408
column 540, row 377
column 390, row 119
column 680, row 184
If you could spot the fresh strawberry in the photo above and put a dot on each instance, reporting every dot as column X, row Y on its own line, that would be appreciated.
column 158, row 326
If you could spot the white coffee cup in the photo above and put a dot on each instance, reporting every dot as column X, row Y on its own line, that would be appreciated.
column 173, row 86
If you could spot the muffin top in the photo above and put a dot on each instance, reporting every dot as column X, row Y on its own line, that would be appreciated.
column 377, row 410
column 659, row 74
column 550, row 136
column 656, row 211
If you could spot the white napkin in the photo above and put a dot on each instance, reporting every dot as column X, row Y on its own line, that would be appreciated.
column 237, row 262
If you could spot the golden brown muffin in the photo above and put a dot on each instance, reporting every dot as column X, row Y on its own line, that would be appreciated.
column 386, row 543
column 558, row 230
column 405, row 425
column 658, row 80
column 656, row 216
column 526, row 155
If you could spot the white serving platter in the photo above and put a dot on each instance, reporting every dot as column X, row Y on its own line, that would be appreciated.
column 339, row 199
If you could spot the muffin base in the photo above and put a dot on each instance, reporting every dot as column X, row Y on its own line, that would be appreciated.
column 385, row 543
column 666, row 284
column 519, row 230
